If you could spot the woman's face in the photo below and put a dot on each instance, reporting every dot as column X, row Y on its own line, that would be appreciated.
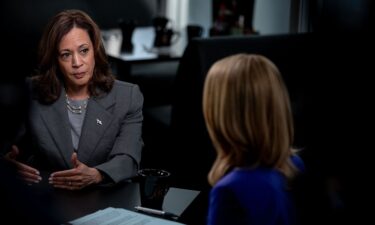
column 76, row 59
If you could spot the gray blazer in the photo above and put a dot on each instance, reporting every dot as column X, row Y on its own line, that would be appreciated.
column 110, row 139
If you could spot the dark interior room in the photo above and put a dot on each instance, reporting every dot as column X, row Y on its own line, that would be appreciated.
column 324, row 58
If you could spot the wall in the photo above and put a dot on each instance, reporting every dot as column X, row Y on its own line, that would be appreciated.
column 177, row 12
column 185, row 12
column 343, row 16
column 200, row 12
column 272, row 16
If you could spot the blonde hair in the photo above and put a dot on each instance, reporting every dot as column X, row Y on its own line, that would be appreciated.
column 247, row 111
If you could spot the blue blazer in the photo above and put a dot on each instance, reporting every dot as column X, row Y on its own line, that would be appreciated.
column 110, row 139
column 252, row 197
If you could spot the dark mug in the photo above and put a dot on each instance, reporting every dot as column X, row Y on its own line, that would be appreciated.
column 154, row 185
column 165, row 37
column 194, row 31
column 160, row 23
column 127, row 28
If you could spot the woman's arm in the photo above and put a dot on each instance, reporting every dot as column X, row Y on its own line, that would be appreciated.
column 125, row 155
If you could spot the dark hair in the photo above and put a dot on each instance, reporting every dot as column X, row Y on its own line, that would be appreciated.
column 48, row 79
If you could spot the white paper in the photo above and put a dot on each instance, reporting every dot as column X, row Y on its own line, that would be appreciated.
column 118, row 216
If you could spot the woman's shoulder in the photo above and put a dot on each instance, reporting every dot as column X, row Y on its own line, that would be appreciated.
column 250, row 176
column 123, row 84
column 255, row 184
column 298, row 162
column 123, row 88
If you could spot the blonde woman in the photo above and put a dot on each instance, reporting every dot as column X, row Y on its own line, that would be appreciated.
column 247, row 112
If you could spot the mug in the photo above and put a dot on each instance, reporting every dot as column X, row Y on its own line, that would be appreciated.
column 154, row 185
column 194, row 31
column 165, row 37
column 160, row 23
column 127, row 29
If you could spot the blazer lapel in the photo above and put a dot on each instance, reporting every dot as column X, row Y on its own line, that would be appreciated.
column 97, row 120
column 57, row 122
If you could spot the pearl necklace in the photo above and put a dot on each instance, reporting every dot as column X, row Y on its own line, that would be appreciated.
column 76, row 109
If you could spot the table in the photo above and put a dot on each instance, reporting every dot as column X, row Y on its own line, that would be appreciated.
column 71, row 205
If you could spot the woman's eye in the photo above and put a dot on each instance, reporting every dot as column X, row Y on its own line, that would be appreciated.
column 64, row 55
column 85, row 51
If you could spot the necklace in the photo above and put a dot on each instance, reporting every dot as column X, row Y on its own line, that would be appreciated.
column 76, row 109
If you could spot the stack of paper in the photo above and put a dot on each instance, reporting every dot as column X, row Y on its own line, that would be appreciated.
column 118, row 216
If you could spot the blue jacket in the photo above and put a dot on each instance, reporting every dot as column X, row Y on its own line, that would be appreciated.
column 252, row 196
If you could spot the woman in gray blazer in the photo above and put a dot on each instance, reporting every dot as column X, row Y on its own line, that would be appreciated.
column 84, row 126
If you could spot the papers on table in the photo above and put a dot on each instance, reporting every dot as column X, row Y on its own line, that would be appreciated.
column 118, row 216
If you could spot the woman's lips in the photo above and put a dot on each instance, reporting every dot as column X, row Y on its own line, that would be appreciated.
column 79, row 75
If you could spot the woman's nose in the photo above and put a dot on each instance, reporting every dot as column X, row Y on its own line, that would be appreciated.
column 76, row 60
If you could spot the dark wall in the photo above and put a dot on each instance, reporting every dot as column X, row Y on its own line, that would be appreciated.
column 342, row 15
column 22, row 22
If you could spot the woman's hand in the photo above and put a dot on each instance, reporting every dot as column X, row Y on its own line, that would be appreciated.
column 77, row 178
column 27, row 173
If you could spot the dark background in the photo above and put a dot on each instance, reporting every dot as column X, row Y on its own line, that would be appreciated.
column 22, row 23
column 338, row 116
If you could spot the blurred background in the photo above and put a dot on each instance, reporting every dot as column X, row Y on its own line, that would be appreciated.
column 22, row 21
